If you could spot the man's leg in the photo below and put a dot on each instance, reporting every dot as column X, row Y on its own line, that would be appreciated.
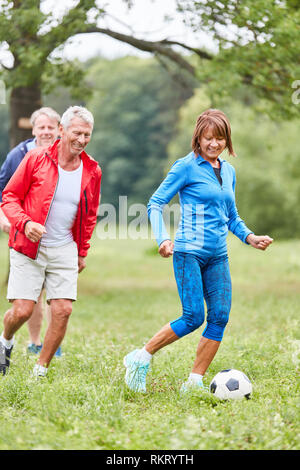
column 35, row 322
column 61, row 310
column 13, row 320
column 61, row 289
column 25, row 282
column 48, row 313
column 58, row 353
column 16, row 316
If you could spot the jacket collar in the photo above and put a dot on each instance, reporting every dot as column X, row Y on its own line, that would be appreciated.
column 201, row 160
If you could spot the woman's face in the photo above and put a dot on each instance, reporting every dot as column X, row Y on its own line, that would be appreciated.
column 211, row 144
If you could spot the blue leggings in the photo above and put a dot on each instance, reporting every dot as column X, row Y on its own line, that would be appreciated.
column 199, row 279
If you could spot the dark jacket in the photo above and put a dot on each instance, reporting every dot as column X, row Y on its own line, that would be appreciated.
column 11, row 163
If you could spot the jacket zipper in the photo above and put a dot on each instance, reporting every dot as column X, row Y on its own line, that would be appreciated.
column 80, row 224
column 86, row 206
column 49, row 206
column 86, row 202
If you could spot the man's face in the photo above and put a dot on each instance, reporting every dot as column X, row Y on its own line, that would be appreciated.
column 76, row 137
column 45, row 130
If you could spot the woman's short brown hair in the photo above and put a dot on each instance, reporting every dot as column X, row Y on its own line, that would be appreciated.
column 220, row 126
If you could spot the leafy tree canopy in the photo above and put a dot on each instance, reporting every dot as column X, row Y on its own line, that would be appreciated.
column 31, row 36
column 258, row 45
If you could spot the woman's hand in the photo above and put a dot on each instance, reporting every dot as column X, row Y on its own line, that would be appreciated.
column 261, row 242
column 166, row 248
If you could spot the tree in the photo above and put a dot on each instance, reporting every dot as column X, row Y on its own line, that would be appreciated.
column 258, row 45
column 252, row 39
column 31, row 36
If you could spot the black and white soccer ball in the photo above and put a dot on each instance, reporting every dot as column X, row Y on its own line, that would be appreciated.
column 231, row 384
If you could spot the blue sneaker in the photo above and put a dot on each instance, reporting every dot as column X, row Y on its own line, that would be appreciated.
column 136, row 372
column 192, row 386
column 58, row 352
column 34, row 348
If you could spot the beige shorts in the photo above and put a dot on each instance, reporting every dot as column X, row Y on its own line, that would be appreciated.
column 55, row 269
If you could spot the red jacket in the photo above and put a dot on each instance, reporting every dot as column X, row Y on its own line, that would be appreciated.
column 30, row 191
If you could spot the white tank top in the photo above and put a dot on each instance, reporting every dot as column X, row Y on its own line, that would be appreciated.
column 64, row 208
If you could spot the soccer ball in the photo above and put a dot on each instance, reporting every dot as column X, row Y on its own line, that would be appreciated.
column 231, row 384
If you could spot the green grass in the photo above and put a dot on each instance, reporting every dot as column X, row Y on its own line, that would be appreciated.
column 126, row 293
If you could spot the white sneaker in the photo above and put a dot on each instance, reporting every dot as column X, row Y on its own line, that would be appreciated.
column 39, row 371
column 192, row 385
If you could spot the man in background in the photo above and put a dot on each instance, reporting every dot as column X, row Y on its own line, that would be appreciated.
column 45, row 122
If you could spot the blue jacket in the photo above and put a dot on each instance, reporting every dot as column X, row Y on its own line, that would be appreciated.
column 208, row 209
column 11, row 163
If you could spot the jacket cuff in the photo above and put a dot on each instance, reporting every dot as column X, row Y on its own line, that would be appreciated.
column 22, row 228
column 246, row 237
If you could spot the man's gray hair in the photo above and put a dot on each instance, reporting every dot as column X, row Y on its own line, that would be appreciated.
column 76, row 111
column 49, row 112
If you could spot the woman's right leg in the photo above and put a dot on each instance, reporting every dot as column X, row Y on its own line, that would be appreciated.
column 35, row 322
column 189, row 283
column 188, row 277
column 161, row 339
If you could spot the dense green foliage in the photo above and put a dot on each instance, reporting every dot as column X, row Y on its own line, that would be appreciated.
column 258, row 45
column 252, row 38
column 34, row 37
column 125, row 295
column 26, row 30
column 135, row 105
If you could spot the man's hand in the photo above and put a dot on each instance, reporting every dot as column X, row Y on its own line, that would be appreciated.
column 34, row 231
column 4, row 222
column 260, row 242
column 166, row 248
column 81, row 263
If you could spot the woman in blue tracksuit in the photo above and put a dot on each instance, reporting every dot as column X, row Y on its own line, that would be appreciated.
column 206, row 187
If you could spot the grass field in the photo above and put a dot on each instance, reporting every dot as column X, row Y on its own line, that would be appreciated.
column 126, row 293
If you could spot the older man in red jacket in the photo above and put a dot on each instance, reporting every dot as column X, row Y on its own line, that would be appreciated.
column 51, row 202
